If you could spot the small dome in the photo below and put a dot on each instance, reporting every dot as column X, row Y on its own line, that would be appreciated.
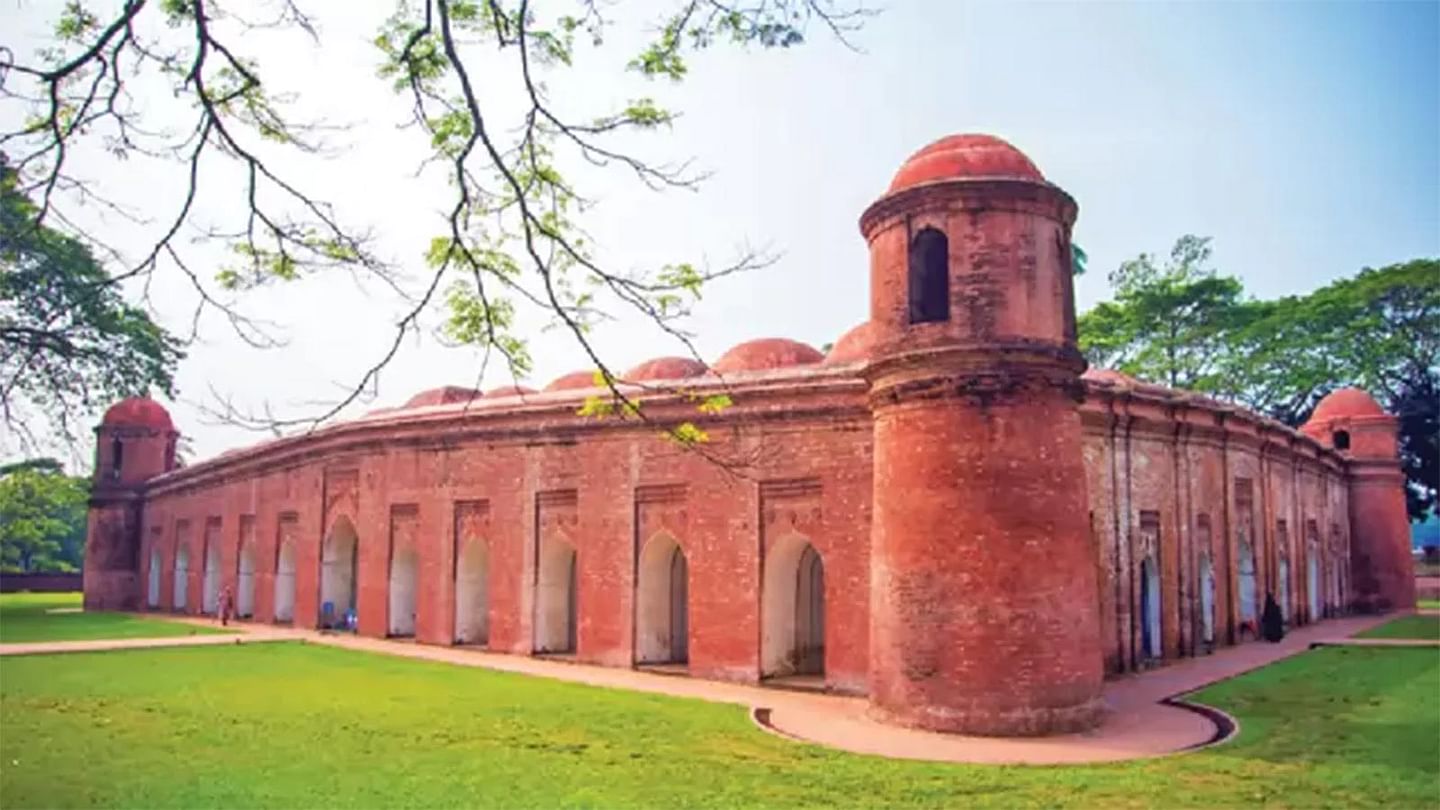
column 960, row 157
column 765, row 354
column 444, row 395
column 572, row 381
column 665, row 368
column 1345, row 403
column 509, row 391
column 852, row 346
column 1109, row 376
column 138, row 412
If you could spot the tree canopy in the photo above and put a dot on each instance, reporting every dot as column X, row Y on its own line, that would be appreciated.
column 513, row 238
column 69, row 342
column 42, row 518
column 1183, row 324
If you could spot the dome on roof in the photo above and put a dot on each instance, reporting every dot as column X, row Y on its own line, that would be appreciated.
column 573, row 380
column 765, row 354
column 665, row 368
column 1345, row 403
column 853, row 346
column 968, row 156
column 1109, row 376
column 138, row 412
column 509, row 391
column 444, row 395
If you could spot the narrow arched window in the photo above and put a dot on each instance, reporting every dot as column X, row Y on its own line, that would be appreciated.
column 117, row 456
column 1341, row 439
column 929, row 277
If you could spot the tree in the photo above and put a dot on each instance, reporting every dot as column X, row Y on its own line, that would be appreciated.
column 42, row 518
column 514, row 238
column 1184, row 326
column 1168, row 323
column 68, row 342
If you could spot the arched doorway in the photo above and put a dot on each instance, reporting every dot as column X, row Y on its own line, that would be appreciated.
column 1150, row 608
column 210, row 596
column 285, row 583
column 182, row 578
column 556, row 598
column 793, row 607
column 404, row 571
column 152, row 590
column 662, row 603
column 1247, row 587
column 1207, row 600
column 472, row 593
column 1283, row 586
column 245, row 582
column 1312, row 582
column 337, row 575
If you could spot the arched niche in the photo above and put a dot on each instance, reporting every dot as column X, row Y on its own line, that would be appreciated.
column 403, row 585
column 472, row 592
column 793, row 610
column 285, row 582
column 180, row 596
column 662, row 603
column 556, row 598
column 338, row 569
column 245, row 582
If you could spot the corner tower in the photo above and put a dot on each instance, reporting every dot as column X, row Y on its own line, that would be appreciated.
column 1382, row 571
column 984, row 605
column 134, row 443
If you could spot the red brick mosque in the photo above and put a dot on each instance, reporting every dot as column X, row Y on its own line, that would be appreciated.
column 946, row 513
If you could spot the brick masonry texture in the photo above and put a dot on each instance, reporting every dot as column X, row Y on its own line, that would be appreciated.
column 945, row 516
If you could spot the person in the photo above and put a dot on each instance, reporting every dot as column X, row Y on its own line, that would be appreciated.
column 226, row 605
column 1272, row 621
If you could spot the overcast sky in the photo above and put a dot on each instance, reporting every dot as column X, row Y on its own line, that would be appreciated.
column 1303, row 137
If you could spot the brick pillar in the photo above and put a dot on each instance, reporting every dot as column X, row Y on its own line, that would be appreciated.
column 984, row 606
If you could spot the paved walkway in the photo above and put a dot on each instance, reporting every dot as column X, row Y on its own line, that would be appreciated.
column 1138, row 725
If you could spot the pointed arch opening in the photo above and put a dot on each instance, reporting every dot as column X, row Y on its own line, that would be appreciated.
column 245, row 582
column 793, row 610
column 182, row 579
column 338, row 565
column 662, row 603
column 1246, row 569
column 210, row 595
column 152, row 590
column 556, row 598
column 472, row 592
column 1150, row 641
column 1283, row 586
column 929, row 276
column 404, row 582
column 285, row 582
column 1207, row 600
column 1312, row 581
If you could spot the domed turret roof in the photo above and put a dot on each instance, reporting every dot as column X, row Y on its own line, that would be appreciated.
column 853, row 346
column 665, row 368
column 571, row 381
column 443, row 395
column 1109, row 376
column 1345, row 403
column 138, row 412
column 765, row 354
column 967, row 156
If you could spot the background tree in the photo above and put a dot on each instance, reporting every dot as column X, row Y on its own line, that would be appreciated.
column 68, row 342
column 42, row 518
column 514, row 238
column 1187, row 327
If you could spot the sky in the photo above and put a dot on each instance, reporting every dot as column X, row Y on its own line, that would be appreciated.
column 1304, row 138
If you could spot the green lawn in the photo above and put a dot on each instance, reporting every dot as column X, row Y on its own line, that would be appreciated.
column 1427, row 627
column 25, row 617
column 298, row 725
column 1428, row 604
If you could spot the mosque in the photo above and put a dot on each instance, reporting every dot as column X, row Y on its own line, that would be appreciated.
column 947, row 513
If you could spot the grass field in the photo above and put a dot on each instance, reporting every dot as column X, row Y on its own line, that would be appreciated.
column 25, row 617
column 1428, row 604
column 296, row 725
column 1427, row 627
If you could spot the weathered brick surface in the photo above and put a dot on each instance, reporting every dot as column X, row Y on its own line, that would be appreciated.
column 982, row 515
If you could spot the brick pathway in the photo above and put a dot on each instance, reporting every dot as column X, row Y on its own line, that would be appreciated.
column 1139, row 725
